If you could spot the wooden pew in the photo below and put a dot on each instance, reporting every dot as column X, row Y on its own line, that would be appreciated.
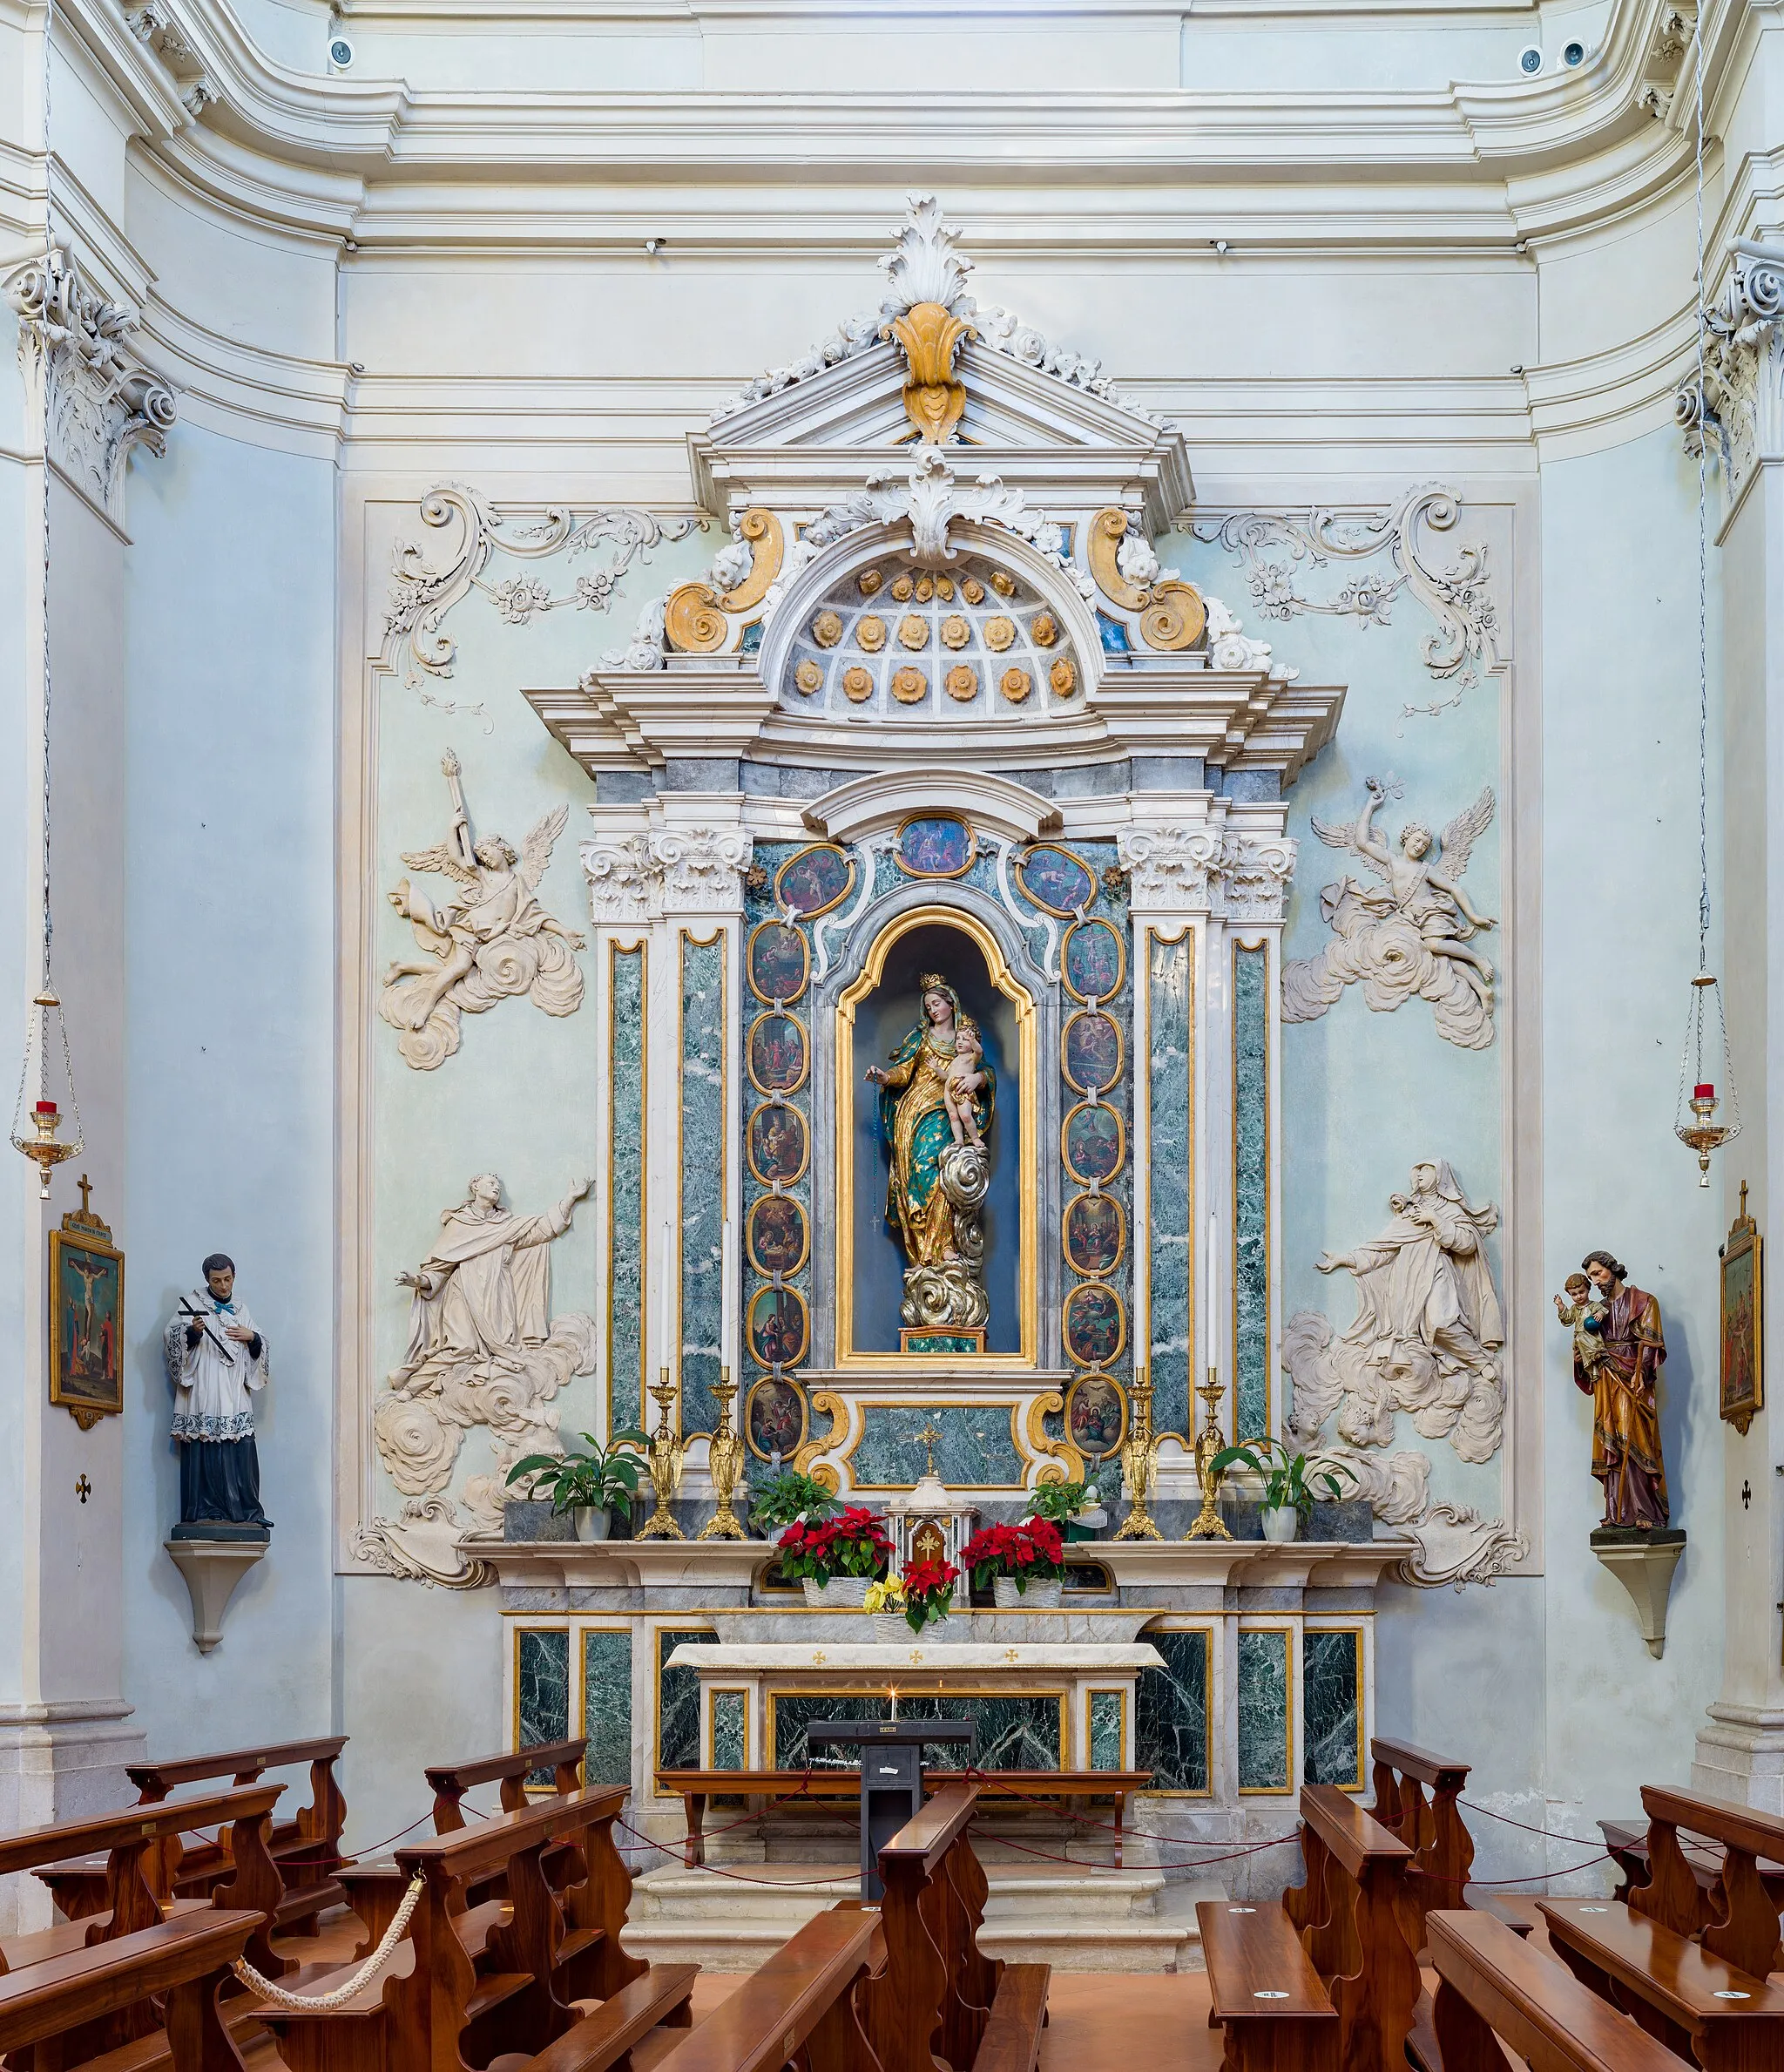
column 133, row 1888
column 1431, row 1827
column 1264, row 1993
column 497, row 1979
column 940, row 1996
column 449, row 1781
column 801, row 2004
column 1350, row 1914
column 46, row 2007
column 1491, row 1984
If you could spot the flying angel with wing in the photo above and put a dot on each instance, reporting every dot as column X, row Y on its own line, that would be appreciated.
column 1409, row 934
column 488, row 941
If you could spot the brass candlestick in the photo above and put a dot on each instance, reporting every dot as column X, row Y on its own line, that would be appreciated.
column 725, row 1463
column 664, row 1461
column 1208, row 1442
column 1139, row 1462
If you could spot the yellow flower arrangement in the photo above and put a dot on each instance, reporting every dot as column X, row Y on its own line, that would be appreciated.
column 888, row 1597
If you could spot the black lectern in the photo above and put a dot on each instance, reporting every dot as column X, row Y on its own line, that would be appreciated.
column 891, row 1775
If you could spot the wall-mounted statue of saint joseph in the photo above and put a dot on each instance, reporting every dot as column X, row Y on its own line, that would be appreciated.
column 937, row 1098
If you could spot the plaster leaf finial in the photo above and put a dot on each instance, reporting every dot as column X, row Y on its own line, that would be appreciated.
column 924, row 267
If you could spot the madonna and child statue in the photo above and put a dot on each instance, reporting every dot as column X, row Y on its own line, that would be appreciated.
column 937, row 1098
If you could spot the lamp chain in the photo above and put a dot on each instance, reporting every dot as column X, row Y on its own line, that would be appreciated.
column 1703, row 549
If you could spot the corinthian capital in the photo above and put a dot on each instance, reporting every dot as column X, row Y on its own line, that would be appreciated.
column 1168, row 866
column 1736, row 409
column 675, row 869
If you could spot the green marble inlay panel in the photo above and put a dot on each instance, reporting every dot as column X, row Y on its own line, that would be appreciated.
column 1251, row 1207
column 625, row 1137
column 1171, row 1714
column 702, row 1171
column 1171, row 1255
column 727, row 1730
column 1015, row 1733
column 1263, row 1710
column 678, row 1700
column 977, row 1450
column 1330, row 1697
column 1106, row 1729
column 542, row 1675
column 606, row 1707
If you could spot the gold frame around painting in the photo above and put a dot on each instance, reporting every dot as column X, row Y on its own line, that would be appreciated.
column 86, row 1398
column 1742, row 1380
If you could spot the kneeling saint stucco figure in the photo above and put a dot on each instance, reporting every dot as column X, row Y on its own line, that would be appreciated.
column 217, row 1362
column 1622, row 1384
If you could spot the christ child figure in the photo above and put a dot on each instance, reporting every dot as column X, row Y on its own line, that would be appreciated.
column 1586, row 1318
column 963, row 1079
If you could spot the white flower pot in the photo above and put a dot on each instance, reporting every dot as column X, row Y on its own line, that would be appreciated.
column 1281, row 1524
column 592, row 1524
column 1038, row 1597
column 842, row 1592
column 946, row 1629
column 891, row 1630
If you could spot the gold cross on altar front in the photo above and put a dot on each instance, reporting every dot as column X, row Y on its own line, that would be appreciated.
column 931, row 1439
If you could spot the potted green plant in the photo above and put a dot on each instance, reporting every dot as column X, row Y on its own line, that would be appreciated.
column 788, row 1498
column 836, row 1559
column 928, row 1594
column 1290, row 1491
column 1075, row 1507
column 587, row 1484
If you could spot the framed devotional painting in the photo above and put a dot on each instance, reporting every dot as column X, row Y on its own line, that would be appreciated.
column 1743, row 1321
column 87, row 1317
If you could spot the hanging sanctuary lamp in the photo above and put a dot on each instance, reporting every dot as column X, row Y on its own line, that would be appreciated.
column 1706, row 1064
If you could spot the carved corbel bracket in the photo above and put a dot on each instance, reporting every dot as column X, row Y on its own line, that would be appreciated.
column 1643, row 1563
column 212, row 1570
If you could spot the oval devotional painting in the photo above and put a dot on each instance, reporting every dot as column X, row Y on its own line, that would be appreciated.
column 1091, row 1052
column 778, row 1145
column 1056, row 880
column 814, row 881
column 1092, row 961
column 777, row 1052
column 1092, row 1234
column 777, row 1235
column 776, row 1418
column 778, row 1330
column 780, row 961
column 1093, row 1324
column 1092, row 1143
column 935, row 845
column 1095, row 1415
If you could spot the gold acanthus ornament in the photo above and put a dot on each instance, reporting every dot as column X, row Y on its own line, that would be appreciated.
column 930, row 337
column 1173, row 615
column 695, row 615
column 1108, row 530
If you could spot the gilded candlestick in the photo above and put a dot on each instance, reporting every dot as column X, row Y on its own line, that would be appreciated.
column 1208, row 1442
column 1140, row 1463
column 663, row 1463
column 725, row 1463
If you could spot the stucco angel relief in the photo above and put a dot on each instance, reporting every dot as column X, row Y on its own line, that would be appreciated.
column 1407, row 935
column 488, row 941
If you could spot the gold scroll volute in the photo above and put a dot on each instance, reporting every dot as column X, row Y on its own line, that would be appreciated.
column 694, row 621
column 1175, row 618
column 762, row 530
column 1108, row 530
column 934, row 400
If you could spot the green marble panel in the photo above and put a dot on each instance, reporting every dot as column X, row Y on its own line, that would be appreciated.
column 678, row 1700
column 1170, row 1260
column 1171, row 1714
column 1251, row 1189
column 728, row 1729
column 1263, row 1710
column 625, row 1138
column 1106, row 1729
column 702, row 1171
column 1013, row 1733
column 542, row 1676
column 1330, row 1697
column 977, row 1450
column 606, row 1707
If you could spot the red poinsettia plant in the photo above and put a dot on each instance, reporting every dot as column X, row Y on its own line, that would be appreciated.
column 852, row 1543
column 1031, row 1552
column 928, row 1591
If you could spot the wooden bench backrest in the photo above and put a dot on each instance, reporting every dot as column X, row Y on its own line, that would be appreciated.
column 449, row 1781
column 1351, row 1913
column 1432, row 1827
column 1492, row 1982
column 1353, row 1835
column 802, row 1998
column 473, row 1852
column 1737, row 1920
column 155, row 1780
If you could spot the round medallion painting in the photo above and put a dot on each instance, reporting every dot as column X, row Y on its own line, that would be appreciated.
column 780, row 961
column 777, row 1145
column 1092, row 1234
column 1095, row 1416
column 777, row 1235
column 778, row 1330
column 1091, row 1052
column 1091, row 962
column 814, row 881
column 775, row 1418
column 1092, row 1143
column 1093, row 1324
column 935, row 845
column 1055, row 879
column 777, row 1052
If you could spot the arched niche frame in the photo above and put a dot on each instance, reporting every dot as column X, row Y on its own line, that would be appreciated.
column 1027, row 1119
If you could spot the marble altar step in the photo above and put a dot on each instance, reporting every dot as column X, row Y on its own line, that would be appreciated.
column 1089, row 1919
